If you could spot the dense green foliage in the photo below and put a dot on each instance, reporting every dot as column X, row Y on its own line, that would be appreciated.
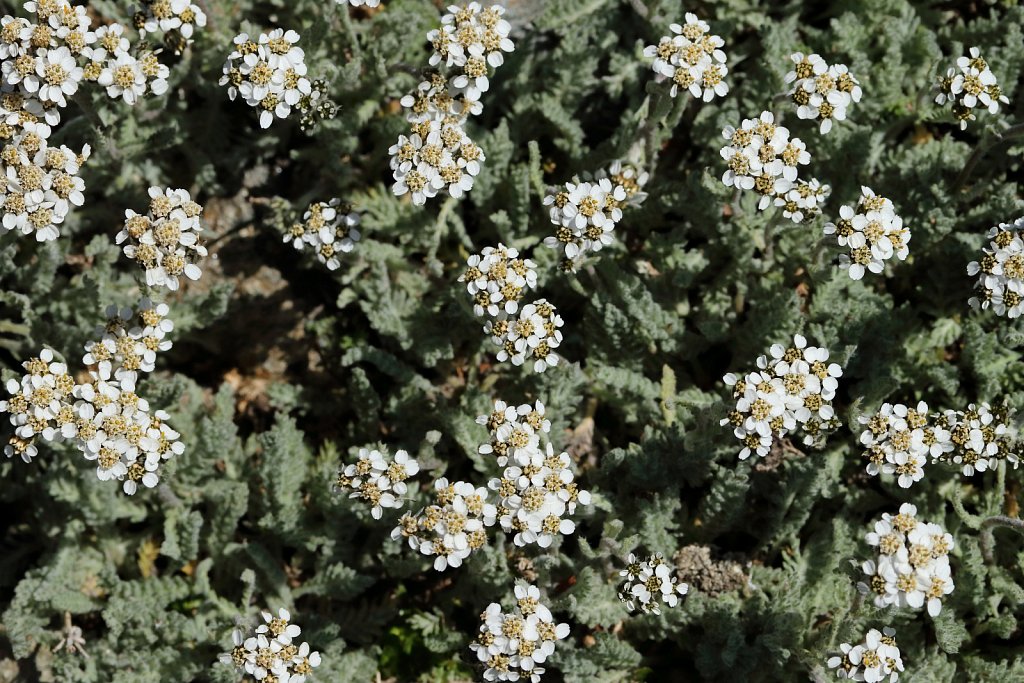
column 280, row 369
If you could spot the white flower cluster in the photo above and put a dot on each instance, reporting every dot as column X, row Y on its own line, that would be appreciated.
column 531, row 335
column 177, row 20
column 269, row 654
column 40, row 183
column 648, row 584
column 873, row 660
column 821, row 91
column 1001, row 271
column 438, row 155
column 762, row 157
column 802, row 202
column 970, row 85
column 453, row 527
column 512, row 645
column 268, row 74
column 536, row 491
column 165, row 242
column 105, row 418
column 901, row 440
column 378, row 479
column 515, row 430
column 330, row 228
column 692, row 59
column 125, row 74
column 497, row 278
column 872, row 231
column 792, row 389
column 585, row 212
column 912, row 567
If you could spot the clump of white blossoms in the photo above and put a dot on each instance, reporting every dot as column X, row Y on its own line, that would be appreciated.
column 874, row 659
column 692, row 59
column 802, row 202
column 514, row 430
column 512, row 645
column 536, row 491
column 177, row 20
column 451, row 528
column 648, row 584
column 969, row 86
column 497, row 278
column 793, row 389
column 166, row 241
column 821, row 91
column 378, row 479
column 981, row 437
column 269, row 652
column 329, row 228
column 104, row 417
column 126, row 75
column 585, row 212
column 268, row 74
column 873, row 233
column 528, row 337
column 41, row 184
column 438, row 155
column 762, row 157
column 912, row 565
column 1000, row 271
column 902, row 440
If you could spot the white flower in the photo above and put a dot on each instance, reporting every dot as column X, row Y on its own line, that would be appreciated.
column 876, row 658
column 359, row 3
column 329, row 228
column 512, row 644
column 969, row 86
column 691, row 59
column 1000, row 271
column 529, row 338
column 165, row 242
column 497, row 278
column 793, row 389
column 760, row 155
column 821, row 91
column 59, row 75
column 378, row 479
column 649, row 584
column 268, row 652
column 269, row 74
column 872, row 231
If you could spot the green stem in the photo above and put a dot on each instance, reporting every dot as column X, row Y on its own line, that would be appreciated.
column 982, row 149
column 986, row 539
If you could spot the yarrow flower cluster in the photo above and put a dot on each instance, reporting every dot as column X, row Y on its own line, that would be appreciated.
column 873, row 233
column 536, row 491
column 105, row 418
column 802, row 202
column 901, row 440
column 530, row 336
column 268, row 653
column 513, row 645
column 912, row 566
column 378, row 479
column 968, row 86
column 762, row 157
column 497, row 278
column 821, row 91
column 649, row 583
column 1000, row 271
column 792, row 389
column 874, row 659
column 166, row 241
column 585, row 212
column 268, row 74
column 329, row 228
column 438, row 155
column 451, row 528
column 177, row 20
column 692, row 60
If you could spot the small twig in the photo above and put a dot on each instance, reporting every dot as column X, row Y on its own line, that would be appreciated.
column 982, row 149
column 986, row 539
